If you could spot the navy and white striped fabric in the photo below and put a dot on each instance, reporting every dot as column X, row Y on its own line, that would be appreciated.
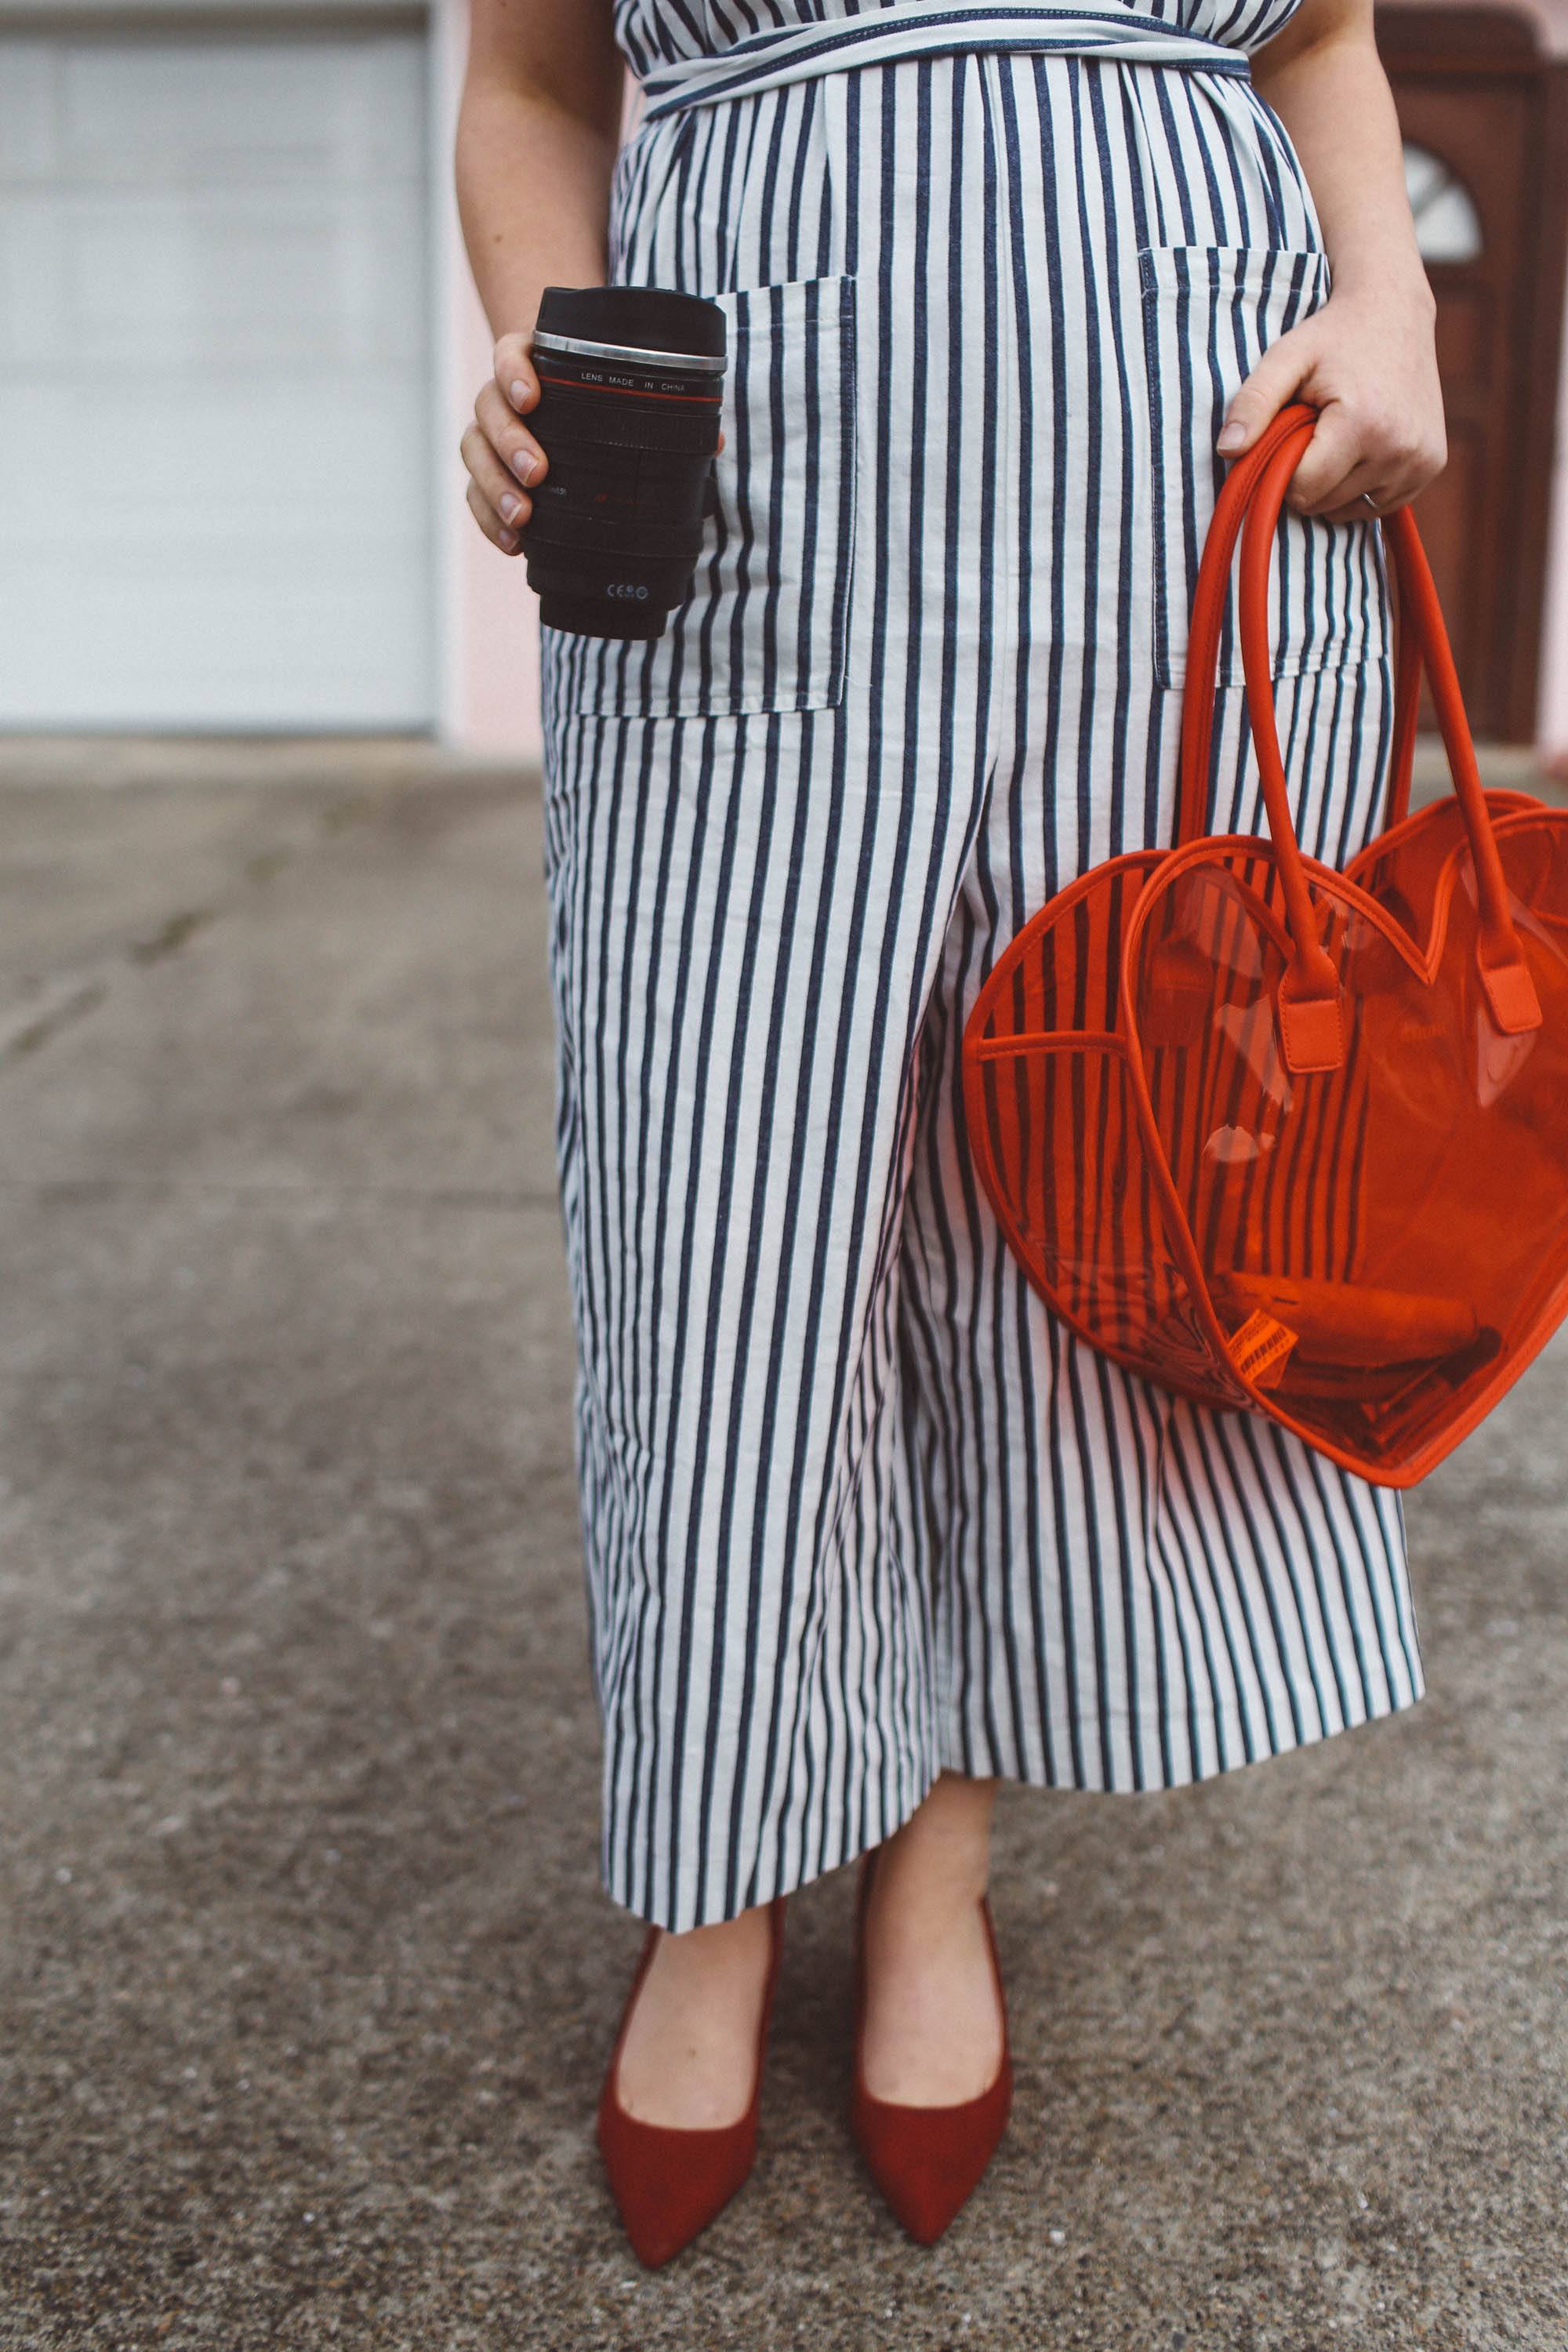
column 855, row 37
column 856, row 1509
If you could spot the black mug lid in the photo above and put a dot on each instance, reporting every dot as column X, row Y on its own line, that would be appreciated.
column 642, row 318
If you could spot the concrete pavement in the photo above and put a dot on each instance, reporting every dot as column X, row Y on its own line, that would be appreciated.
column 307, row 1981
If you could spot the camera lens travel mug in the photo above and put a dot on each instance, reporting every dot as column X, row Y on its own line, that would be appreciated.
column 631, row 384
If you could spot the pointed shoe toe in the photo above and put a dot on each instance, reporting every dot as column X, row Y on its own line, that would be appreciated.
column 927, row 2161
column 668, row 2182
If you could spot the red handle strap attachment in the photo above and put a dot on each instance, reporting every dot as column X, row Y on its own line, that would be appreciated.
column 1510, row 992
column 1310, row 1019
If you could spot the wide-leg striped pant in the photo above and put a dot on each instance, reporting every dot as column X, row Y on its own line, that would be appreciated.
column 855, row 1507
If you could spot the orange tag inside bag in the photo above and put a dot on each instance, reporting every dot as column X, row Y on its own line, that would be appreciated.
column 1260, row 1350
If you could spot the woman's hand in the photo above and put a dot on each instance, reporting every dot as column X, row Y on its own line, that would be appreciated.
column 1367, row 360
column 502, row 457
column 1370, row 368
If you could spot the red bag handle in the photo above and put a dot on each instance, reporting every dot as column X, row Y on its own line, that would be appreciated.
column 1202, row 648
column 1252, row 497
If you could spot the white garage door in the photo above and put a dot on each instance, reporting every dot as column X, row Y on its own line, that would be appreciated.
column 214, row 381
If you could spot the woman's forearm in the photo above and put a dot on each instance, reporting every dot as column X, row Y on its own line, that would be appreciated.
column 1366, row 358
column 1324, row 80
column 538, row 132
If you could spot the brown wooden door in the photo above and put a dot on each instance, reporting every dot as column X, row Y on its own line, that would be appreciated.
column 1478, row 110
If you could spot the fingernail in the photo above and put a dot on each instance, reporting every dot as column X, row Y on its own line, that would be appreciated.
column 507, row 538
column 520, row 393
column 1234, row 435
column 522, row 465
column 510, row 507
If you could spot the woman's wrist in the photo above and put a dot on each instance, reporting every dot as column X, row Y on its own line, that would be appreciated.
column 1383, row 286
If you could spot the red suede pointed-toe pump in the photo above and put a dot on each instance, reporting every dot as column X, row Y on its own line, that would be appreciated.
column 667, row 2181
column 926, row 2161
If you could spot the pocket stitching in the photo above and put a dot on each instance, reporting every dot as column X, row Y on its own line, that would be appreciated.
column 1166, row 273
column 730, row 691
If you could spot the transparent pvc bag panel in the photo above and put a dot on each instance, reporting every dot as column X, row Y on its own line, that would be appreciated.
column 1347, row 1219
column 1284, row 1137
column 1050, row 1099
column 1098, row 1253
column 1465, row 1199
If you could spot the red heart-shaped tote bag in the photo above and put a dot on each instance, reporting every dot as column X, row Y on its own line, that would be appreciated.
column 1285, row 1139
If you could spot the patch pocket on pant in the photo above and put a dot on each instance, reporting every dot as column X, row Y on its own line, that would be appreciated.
column 1210, row 311
column 765, row 624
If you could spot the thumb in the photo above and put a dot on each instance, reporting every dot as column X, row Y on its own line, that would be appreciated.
column 1282, row 370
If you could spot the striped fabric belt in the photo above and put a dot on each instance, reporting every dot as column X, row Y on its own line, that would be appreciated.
column 923, row 28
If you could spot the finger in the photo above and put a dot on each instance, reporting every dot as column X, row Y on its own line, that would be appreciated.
column 1333, row 455
column 490, row 522
column 1357, row 511
column 1368, row 488
column 498, row 488
column 1359, row 448
column 498, row 421
column 1366, row 480
column 1375, row 504
column 1392, row 482
column 514, row 372
column 1260, row 397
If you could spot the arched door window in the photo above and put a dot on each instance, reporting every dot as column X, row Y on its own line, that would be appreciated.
column 1447, row 226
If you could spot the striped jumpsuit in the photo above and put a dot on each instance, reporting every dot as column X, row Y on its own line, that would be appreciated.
column 855, row 1507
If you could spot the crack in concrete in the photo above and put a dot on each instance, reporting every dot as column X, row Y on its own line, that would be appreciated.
column 68, row 997
column 31, row 1029
column 172, row 936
